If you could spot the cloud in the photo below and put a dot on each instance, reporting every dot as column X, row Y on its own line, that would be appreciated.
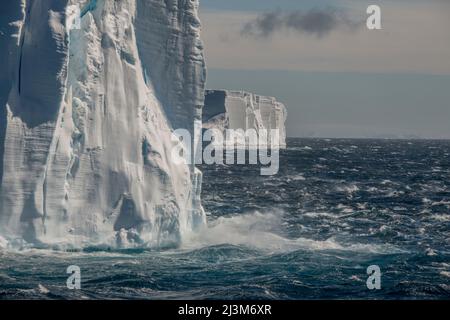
column 317, row 22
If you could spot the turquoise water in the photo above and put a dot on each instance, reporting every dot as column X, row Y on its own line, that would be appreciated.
column 91, row 6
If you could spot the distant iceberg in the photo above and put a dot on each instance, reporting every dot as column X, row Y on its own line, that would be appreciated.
column 225, row 109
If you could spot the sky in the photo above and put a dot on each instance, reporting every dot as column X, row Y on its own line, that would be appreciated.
column 336, row 77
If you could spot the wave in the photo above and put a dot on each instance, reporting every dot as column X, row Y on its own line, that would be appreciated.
column 264, row 232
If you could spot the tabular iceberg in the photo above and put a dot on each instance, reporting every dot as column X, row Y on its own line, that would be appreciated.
column 87, row 119
column 226, row 109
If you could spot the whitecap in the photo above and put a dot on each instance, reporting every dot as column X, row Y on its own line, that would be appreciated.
column 445, row 274
column 348, row 189
column 43, row 289
column 430, row 252
column 259, row 231
column 441, row 217
column 355, row 278
column 441, row 203
column 319, row 215
column 298, row 177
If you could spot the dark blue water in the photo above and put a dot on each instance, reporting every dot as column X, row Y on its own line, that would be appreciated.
column 310, row 232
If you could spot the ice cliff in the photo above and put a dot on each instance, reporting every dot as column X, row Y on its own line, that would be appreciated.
column 243, row 110
column 87, row 113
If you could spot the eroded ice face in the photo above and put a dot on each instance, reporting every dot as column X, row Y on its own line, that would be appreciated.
column 73, row 17
column 88, row 129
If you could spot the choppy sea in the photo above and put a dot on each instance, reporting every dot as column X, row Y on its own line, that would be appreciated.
column 336, row 207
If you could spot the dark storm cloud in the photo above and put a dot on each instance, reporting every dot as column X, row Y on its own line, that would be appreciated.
column 318, row 22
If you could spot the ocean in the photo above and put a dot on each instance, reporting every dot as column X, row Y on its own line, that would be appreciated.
column 336, row 207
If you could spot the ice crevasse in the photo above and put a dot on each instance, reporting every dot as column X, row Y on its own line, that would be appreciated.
column 86, row 122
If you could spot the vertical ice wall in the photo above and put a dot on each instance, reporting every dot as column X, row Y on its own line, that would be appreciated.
column 171, row 52
column 11, row 16
column 87, row 140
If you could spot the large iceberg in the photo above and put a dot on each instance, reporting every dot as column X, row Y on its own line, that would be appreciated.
column 240, row 110
column 87, row 112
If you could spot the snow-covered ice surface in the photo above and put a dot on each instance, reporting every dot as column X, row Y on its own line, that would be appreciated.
column 226, row 109
column 86, row 131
